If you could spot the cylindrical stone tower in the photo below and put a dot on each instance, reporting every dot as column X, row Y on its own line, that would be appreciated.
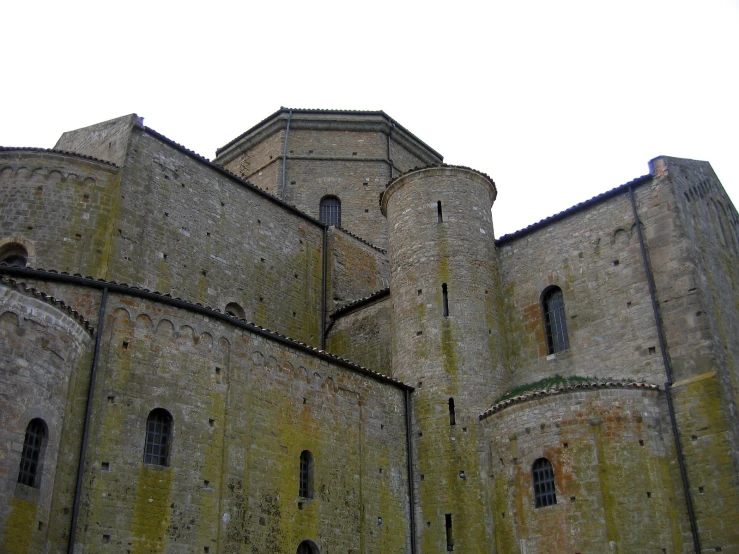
column 446, row 335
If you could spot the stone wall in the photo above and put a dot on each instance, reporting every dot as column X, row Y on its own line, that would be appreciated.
column 701, row 314
column 355, row 269
column 59, row 207
column 356, row 183
column 187, row 229
column 106, row 141
column 45, row 357
column 350, row 155
column 364, row 335
column 593, row 256
column 615, row 477
column 244, row 407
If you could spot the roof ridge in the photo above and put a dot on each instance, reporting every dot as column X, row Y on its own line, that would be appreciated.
column 365, row 241
column 23, row 287
column 360, row 301
column 56, row 151
column 574, row 209
column 567, row 387
column 213, row 312
column 440, row 165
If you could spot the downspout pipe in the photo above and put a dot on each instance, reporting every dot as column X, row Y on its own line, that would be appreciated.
column 284, row 155
column 324, row 286
column 86, row 424
column 409, row 456
column 668, row 372
column 389, row 158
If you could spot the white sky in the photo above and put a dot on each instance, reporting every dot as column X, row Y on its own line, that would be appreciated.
column 556, row 100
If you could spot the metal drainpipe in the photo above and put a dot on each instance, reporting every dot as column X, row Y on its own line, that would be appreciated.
column 284, row 153
column 324, row 272
column 409, row 455
column 86, row 425
column 389, row 159
column 668, row 372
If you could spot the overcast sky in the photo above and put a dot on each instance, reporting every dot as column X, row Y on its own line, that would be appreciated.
column 556, row 101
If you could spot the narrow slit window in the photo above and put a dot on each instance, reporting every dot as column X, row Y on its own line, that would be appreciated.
column 449, row 532
column 306, row 474
column 452, row 413
column 158, row 437
column 543, row 476
column 32, row 455
column 555, row 322
column 438, row 212
column 445, row 299
column 330, row 211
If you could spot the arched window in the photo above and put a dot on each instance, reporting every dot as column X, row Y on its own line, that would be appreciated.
column 32, row 455
column 14, row 254
column 233, row 309
column 543, row 474
column 555, row 322
column 330, row 211
column 158, row 437
column 306, row 474
column 308, row 547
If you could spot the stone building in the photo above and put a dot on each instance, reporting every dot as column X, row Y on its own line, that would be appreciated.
column 315, row 344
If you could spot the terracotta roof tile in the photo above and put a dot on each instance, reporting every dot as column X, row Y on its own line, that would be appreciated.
column 41, row 273
column 52, row 151
column 566, row 388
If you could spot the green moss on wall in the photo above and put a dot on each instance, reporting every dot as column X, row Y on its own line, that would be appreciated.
column 19, row 527
column 151, row 509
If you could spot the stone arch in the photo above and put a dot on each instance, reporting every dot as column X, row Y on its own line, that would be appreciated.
column 10, row 321
column 303, row 373
column 9, row 243
column 143, row 323
column 121, row 317
column 308, row 547
column 165, row 328
column 330, row 384
column 330, row 210
column 50, row 175
column 225, row 346
column 287, row 367
column 186, row 334
column 235, row 310
column 206, row 340
column 620, row 237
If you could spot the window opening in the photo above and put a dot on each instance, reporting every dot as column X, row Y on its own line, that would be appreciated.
column 14, row 255
column 234, row 310
column 307, row 547
column 306, row 474
column 31, row 457
column 438, row 212
column 330, row 211
column 543, row 474
column 445, row 299
column 555, row 322
column 452, row 415
column 449, row 532
column 158, row 434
